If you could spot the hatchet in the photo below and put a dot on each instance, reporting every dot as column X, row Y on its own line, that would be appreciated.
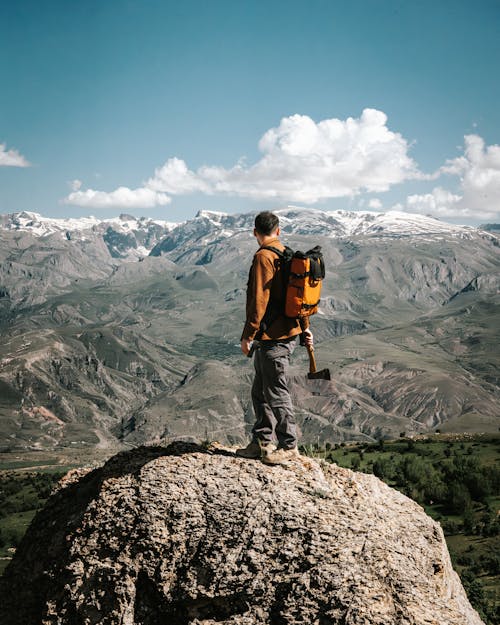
column 324, row 374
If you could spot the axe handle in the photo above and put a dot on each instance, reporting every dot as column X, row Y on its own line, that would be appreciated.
column 312, row 359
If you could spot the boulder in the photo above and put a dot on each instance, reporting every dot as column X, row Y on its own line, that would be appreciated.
column 185, row 535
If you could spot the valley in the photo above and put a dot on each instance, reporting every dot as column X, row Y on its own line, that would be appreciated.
column 100, row 350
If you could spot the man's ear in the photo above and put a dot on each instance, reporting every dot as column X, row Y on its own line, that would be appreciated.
column 278, row 231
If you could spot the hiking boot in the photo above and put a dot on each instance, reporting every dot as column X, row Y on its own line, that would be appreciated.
column 281, row 456
column 252, row 451
column 266, row 449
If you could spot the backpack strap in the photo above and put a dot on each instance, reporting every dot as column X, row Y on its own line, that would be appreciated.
column 275, row 311
column 317, row 263
column 285, row 254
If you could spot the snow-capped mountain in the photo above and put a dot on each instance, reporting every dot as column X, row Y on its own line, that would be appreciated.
column 352, row 223
column 130, row 238
column 126, row 237
column 211, row 226
column 296, row 220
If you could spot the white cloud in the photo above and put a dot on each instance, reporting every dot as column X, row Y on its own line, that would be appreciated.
column 123, row 197
column 305, row 161
column 12, row 158
column 375, row 204
column 479, row 185
column 302, row 161
column 479, row 171
column 439, row 203
column 175, row 178
column 75, row 185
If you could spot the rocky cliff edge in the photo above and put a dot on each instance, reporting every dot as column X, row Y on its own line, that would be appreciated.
column 185, row 535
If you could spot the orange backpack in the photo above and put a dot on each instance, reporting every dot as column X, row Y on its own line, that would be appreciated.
column 303, row 274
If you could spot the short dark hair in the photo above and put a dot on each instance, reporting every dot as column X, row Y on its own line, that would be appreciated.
column 266, row 223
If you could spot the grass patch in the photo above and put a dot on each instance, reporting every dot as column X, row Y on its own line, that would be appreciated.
column 21, row 495
column 25, row 464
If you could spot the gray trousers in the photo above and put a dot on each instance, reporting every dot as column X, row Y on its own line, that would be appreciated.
column 270, row 395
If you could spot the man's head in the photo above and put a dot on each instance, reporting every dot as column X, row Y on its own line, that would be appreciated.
column 266, row 223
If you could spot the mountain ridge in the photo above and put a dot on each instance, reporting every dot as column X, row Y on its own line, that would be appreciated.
column 340, row 222
column 105, row 343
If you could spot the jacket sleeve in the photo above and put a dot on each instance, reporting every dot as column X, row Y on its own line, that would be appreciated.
column 258, row 292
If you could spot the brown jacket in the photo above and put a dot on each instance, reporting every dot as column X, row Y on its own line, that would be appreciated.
column 265, row 287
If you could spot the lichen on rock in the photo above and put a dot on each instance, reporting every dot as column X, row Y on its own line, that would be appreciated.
column 183, row 535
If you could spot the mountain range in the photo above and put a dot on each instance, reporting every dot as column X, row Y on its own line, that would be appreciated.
column 125, row 331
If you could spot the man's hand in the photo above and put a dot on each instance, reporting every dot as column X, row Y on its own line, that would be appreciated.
column 246, row 344
column 308, row 338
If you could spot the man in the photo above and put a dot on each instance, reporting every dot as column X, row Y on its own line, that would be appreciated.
column 274, row 336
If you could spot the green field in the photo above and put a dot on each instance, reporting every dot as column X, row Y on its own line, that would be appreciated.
column 22, row 493
column 26, row 482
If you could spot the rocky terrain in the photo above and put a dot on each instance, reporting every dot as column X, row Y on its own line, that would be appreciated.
column 125, row 237
column 187, row 535
column 126, row 331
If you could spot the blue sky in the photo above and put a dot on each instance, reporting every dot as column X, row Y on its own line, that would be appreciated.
column 163, row 108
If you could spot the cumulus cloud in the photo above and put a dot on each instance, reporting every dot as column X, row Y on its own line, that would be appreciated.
column 439, row 203
column 302, row 161
column 478, row 194
column 175, row 178
column 123, row 197
column 479, row 171
column 75, row 185
column 12, row 158
column 305, row 161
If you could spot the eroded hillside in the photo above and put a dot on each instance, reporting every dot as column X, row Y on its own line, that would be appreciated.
column 100, row 351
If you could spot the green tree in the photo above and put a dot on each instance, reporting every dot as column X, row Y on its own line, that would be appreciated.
column 415, row 469
column 435, row 490
column 384, row 468
column 410, row 445
column 355, row 462
column 475, row 591
column 459, row 498
column 468, row 521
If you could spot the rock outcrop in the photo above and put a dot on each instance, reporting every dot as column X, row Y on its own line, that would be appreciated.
column 184, row 535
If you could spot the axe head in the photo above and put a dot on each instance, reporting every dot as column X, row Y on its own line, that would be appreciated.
column 324, row 374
